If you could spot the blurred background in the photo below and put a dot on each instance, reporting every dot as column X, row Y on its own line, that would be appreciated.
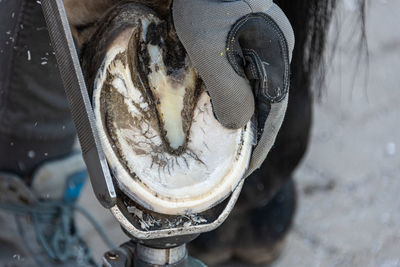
column 349, row 182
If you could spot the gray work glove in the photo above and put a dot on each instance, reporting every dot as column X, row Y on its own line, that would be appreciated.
column 242, row 51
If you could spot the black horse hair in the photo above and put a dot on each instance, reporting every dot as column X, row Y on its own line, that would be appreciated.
column 311, row 20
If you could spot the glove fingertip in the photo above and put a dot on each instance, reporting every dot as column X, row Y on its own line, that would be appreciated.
column 236, row 115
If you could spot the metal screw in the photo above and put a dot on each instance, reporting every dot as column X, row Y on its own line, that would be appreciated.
column 112, row 255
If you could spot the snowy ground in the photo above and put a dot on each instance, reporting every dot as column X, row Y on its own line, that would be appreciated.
column 349, row 182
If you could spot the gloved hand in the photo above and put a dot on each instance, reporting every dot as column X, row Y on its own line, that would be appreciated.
column 242, row 51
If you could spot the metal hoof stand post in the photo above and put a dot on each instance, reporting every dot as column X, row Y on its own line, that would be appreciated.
column 156, row 239
column 130, row 254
